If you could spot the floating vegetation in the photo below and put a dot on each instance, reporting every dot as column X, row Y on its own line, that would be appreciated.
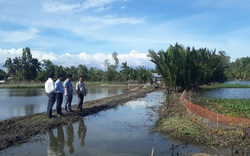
column 231, row 107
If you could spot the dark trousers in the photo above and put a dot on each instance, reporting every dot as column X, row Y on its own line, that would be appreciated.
column 51, row 101
column 68, row 100
column 59, row 100
column 80, row 101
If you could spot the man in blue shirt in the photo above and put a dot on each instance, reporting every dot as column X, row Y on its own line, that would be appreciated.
column 68, row 93
column 59, row 95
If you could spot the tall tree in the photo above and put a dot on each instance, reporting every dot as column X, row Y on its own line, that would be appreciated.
column 10, row 67
column 115, row 57
column 125, row 71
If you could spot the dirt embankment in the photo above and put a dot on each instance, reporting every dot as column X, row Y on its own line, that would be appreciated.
column 20, row 129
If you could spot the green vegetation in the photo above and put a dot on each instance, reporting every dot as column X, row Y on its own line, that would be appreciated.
column 181, row 126
column 187, row 68
column 175, row 122
column 240, row 69
column 231, row 107
column 22, row 85
column 223, row 85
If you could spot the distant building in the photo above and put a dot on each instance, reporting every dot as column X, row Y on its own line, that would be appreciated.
column 157, row 79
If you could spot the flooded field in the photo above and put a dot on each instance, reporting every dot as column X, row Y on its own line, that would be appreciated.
column 125, row 130
column 25, row 101
column 228, row 93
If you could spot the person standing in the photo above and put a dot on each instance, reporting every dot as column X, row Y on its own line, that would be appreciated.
column 81, row 92
column 59, row 95
column 51, row 92
column 68, row 93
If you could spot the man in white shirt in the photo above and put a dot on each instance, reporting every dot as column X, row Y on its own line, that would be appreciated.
column 50, row 90
column 81, row 92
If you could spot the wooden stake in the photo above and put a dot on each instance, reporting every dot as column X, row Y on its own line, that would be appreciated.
column 153, row 152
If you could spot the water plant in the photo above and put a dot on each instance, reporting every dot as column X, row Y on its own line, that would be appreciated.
column 231, row 107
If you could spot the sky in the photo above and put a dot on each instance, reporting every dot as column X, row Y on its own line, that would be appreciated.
column 73, row 32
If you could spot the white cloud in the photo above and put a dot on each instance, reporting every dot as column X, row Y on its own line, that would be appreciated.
column 134, row 58
column 96, row 3
column 57, row 6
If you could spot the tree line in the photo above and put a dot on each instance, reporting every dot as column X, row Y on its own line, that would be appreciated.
column 181, row 67
column 240, row 69
column 27, row 68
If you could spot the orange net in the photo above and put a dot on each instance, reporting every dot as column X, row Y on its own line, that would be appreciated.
column 212, row 116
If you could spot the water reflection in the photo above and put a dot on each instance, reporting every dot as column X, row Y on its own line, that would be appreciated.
column 70, row 137
column 82, row 130
column 22, row 92
column 136, row 104
column 57, row 143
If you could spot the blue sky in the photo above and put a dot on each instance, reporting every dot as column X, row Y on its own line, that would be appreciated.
column 89, row 31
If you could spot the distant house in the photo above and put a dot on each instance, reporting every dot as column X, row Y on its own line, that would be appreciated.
column 157, row 79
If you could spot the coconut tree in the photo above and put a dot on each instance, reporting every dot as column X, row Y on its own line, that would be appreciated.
column 10, row 67
column 162, row 66
column 125, row 71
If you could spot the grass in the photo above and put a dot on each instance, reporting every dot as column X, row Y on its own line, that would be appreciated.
column 41, row 84
column 22, row 85
column 222, row 85
column 182, row 126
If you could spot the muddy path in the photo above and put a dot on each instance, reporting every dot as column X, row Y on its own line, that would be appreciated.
column 18, row 130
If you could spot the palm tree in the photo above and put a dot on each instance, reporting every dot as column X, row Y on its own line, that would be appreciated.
column 35, row 68
column 18, row 68
column 162, row 66
column 125, row 71
column 10, row 67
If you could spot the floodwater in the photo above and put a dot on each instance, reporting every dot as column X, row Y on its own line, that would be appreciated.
column 21, row 102
column 122, row 131
column 229, row 93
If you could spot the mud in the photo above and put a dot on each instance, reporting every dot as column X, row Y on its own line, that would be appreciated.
column 18, row 130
